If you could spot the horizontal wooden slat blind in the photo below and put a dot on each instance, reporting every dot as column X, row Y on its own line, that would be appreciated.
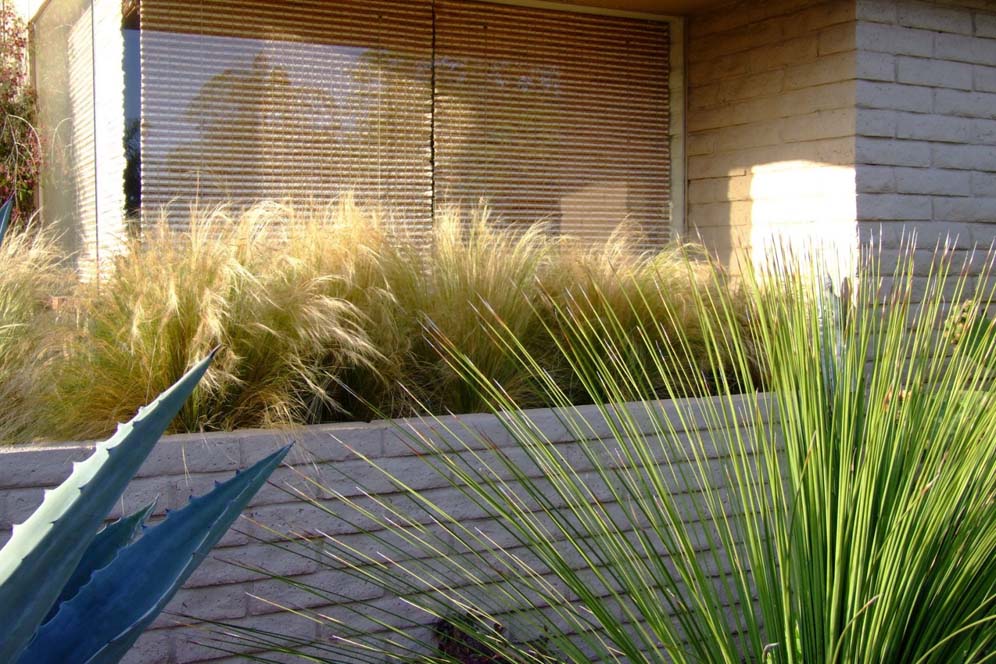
column 553, row 115
column 546, row 115
column 243, row 101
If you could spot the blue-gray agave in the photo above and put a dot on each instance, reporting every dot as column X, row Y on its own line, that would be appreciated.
column 69, row 593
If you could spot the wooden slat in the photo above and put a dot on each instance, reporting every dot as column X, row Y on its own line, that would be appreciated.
column 299, row 100
column 554, row 116
column 547, row 115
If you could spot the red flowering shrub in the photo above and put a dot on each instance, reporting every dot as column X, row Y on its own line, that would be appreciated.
column 20, row 148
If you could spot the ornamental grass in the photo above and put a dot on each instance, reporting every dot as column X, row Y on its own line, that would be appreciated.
column 844, row 510
column 331, row 313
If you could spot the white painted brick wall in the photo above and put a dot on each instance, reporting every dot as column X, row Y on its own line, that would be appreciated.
column 925, row 138
column 221, row 590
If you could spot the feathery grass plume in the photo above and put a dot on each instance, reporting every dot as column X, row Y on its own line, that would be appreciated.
column 308, row 298
column 474, row 264
column 657, row 289
column 178, row 292
column 379, row 272
column 31, row 334
column 848, row 514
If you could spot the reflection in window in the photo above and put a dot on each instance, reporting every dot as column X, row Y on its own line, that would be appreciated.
column 411, row 106
column 272, row 100
column 78, row 64
column 132, row 109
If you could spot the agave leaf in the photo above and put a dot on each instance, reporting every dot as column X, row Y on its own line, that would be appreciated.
column 6, row 210
column 44, row 550
column 101, row 552
column 108, row 614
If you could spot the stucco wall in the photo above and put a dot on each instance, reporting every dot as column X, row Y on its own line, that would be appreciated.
column 771, row 123
column 183, row 465
column 926, row 120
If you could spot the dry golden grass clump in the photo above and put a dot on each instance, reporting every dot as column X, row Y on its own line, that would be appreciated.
column 332, row 312
column 176, row 294
column 30, row 333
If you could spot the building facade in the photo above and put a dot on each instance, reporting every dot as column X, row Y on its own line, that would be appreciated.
column 727, row 122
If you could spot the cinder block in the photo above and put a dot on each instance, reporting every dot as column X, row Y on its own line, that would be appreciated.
column 817, row 98
column 876, row 123
column 877, row 11
column 269, row 595
column 209, row 603
column 985, row 25
column 974, row 50
column 710, row 23
column 984, row 184
column 745, row 137
column 935, row 73
column 827, row 69
column 875, row 179
column 706, row 69
column 39, row 466
column 775, row 56
column 933, row 181
column 822, row 15
column 837, row 39
column 889, row 207
column 191, row 647
column 819, row 125
column 753, row 85
column 758, row 33
column 700, row 143
column 228, row 566
column 193, row 453
column 894, row 96
column 888, row 152
column 985, row 78
column 873, row 66
column 941, row 128
column 976, row 209
column 934, row 17
column 703, row 96
column 152, row 646
column 717, row 190
column 894, row 39
column 723, row 214
column 714, row 166
column 892, row 234
column 333, row 442
column 965, row 104
column 971, row 157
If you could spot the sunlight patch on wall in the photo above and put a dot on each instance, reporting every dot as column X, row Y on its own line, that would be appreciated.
column 808, row 207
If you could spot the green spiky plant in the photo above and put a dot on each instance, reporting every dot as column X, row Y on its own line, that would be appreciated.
column 69, row 592
column 845, row 514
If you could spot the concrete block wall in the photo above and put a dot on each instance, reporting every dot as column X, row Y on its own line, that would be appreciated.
column 219, row 590
column 926, row 121
column 771, row 123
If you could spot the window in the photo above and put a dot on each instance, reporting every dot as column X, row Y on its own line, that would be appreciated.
column 555, row 116
column 545, row 114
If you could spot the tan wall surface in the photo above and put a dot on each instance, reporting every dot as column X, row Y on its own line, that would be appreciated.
column 926, row 145
column 771, row 124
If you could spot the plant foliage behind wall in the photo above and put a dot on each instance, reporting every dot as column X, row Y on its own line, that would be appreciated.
column 20, row 147
column 858, row 525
